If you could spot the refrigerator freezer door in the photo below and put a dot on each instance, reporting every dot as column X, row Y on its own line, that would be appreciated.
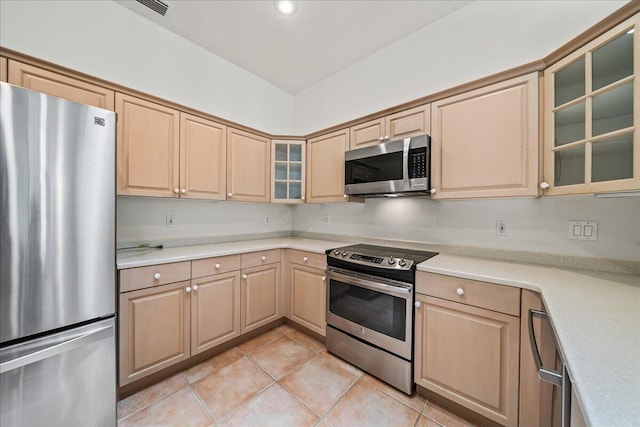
column 57, row 204
column 64, row 379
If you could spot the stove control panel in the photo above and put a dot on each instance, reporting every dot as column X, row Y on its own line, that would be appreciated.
column 388, row 262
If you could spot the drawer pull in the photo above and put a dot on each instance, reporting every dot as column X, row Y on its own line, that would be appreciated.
column 324, row 278
column 264, row 258
column 195, row 287
column 217, row 266
column 156, row 276
column 244, row 276
column 187, row 289
column 418, row 304
column 305, row 259
column 460, row 291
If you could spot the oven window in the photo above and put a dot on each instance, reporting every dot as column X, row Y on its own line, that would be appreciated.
column 374, row 310
column 385, row 167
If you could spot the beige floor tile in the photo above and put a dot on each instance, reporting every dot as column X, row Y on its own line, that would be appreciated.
column 259, row 341
column 150, row 395
column 273, row 407
column 344, row 365
column 231, row 386
column 322, row 423
column 426, row 422
column 285, row 329
column 178, row 409
column 442, row 416
column 366, row 405
column 281, row 356
column 415, row 401
column 219, row 361
column 307, row 341
column 318, row 383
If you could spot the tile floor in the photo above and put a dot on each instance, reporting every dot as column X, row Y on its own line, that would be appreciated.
column 280, row 378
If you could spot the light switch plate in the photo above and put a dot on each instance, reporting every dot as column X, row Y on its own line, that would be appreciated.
column 583, row 230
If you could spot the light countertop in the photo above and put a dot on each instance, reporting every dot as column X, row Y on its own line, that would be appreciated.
column 596, row 316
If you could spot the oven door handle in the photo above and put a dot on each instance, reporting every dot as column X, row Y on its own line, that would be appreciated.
column 401, row 291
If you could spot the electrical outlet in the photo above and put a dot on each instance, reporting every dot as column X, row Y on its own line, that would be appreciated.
column 267, row 220
column 501, row 228
column 583, row 230
column 170, row 220
column 326, row 219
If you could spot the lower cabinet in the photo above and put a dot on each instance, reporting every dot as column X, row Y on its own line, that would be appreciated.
column 260, row 290
column 308, row 297
column 468, row 354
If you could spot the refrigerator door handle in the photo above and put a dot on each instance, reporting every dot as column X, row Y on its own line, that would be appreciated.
column 63, row 347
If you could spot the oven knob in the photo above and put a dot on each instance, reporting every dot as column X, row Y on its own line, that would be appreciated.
column 344, row 253
column 391, row 261
column 402, row 262
column 336, row 252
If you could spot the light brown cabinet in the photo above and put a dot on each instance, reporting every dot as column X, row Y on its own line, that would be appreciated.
column 55, row 84
column 248, row 167
column 308, row 290
column 592, row 115
column 3, row 69
column 465, row 353
column 403, row 124
column 260, row 292
column 325, row 167
column 288, row 171
column 484, row 143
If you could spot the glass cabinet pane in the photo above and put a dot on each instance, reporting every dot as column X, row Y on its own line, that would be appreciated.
column 281, row 171
column 295, row 190
column 569, row 82
column 295, row 153
column 612, row 158
column 281, row 152
column 613, row 61
column 570, row 124
column 613, row 110
column 295, row 171
column 281, row 190
column 569, row 166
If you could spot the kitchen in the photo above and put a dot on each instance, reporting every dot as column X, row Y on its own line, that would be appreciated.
column 536, row 228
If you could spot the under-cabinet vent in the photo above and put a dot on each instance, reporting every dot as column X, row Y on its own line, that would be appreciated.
column 158, row 6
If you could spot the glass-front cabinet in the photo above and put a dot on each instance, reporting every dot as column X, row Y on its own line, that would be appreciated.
column 591, row 116
column 288, row 158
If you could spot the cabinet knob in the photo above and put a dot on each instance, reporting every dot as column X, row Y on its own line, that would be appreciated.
column 346, row 197
column 386, row 137
column 432, row 191
column 176, row 190
column 418, row 304
column 263, row 258
column 230, row 194
column 324, row 278
column 156, row 276
column 217, row 266
column 544, row 185
column 183, row 191
column 460, row 291
column 305, row 259
column 381, row 138
column 244, row 276
column 302, row 198
column 195, row 287
column 187, row 289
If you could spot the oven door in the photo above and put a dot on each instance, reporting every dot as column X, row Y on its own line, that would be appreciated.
column 374, row 309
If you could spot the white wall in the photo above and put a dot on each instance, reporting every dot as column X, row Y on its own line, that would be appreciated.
column 106, row 40
column 533, row 225
column 144, row 219
column 480, row 39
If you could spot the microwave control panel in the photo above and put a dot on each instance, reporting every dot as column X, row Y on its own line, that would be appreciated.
column 418, row 162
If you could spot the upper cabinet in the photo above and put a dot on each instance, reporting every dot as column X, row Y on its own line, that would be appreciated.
column 3, row 69
column 415, row 121
column 485, row 142
column 287, row 171
column 55, row 84
column 591, row 116
column 248, row 167
column 325, row 167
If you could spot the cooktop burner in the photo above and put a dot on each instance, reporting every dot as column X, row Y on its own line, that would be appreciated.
column 379, row 257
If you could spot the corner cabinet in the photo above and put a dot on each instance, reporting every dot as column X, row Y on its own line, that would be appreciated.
column 248, row 167
column 287, row 171
column 592, row 112
column 325, row 167
column 484, row 143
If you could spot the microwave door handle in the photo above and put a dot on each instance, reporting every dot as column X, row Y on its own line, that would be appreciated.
column 405, row 160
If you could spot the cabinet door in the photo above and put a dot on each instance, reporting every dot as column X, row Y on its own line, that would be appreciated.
column 148, row 148
column 495, row 152
column 325, row 167
column 308, row 297
column 260, row 293
column 215, row 310
column 288, row 171
column 470, row 356
column 248, row 171
column 3, row 69
column 403, row 124
column 366, row 134
column 51, row 83
column 154, row 329
column 592, row 113
column 203, row 158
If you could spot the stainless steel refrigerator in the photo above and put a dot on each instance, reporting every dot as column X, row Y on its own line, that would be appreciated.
column 57, row 261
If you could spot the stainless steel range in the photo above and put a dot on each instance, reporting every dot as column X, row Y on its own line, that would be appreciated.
column 370, row 296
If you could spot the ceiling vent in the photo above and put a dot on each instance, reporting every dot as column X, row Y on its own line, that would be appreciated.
column 160, row 7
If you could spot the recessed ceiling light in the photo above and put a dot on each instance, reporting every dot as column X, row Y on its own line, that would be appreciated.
column 286, row 7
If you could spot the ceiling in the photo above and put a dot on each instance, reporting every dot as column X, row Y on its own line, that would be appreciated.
column 295, row 52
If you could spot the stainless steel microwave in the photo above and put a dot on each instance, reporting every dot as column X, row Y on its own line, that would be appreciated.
column 399, row 168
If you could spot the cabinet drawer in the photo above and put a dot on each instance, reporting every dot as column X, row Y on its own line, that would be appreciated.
column 253, row 259
column 311, row 259
column 504, row 299
column 215, row 265
column 154, row 275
